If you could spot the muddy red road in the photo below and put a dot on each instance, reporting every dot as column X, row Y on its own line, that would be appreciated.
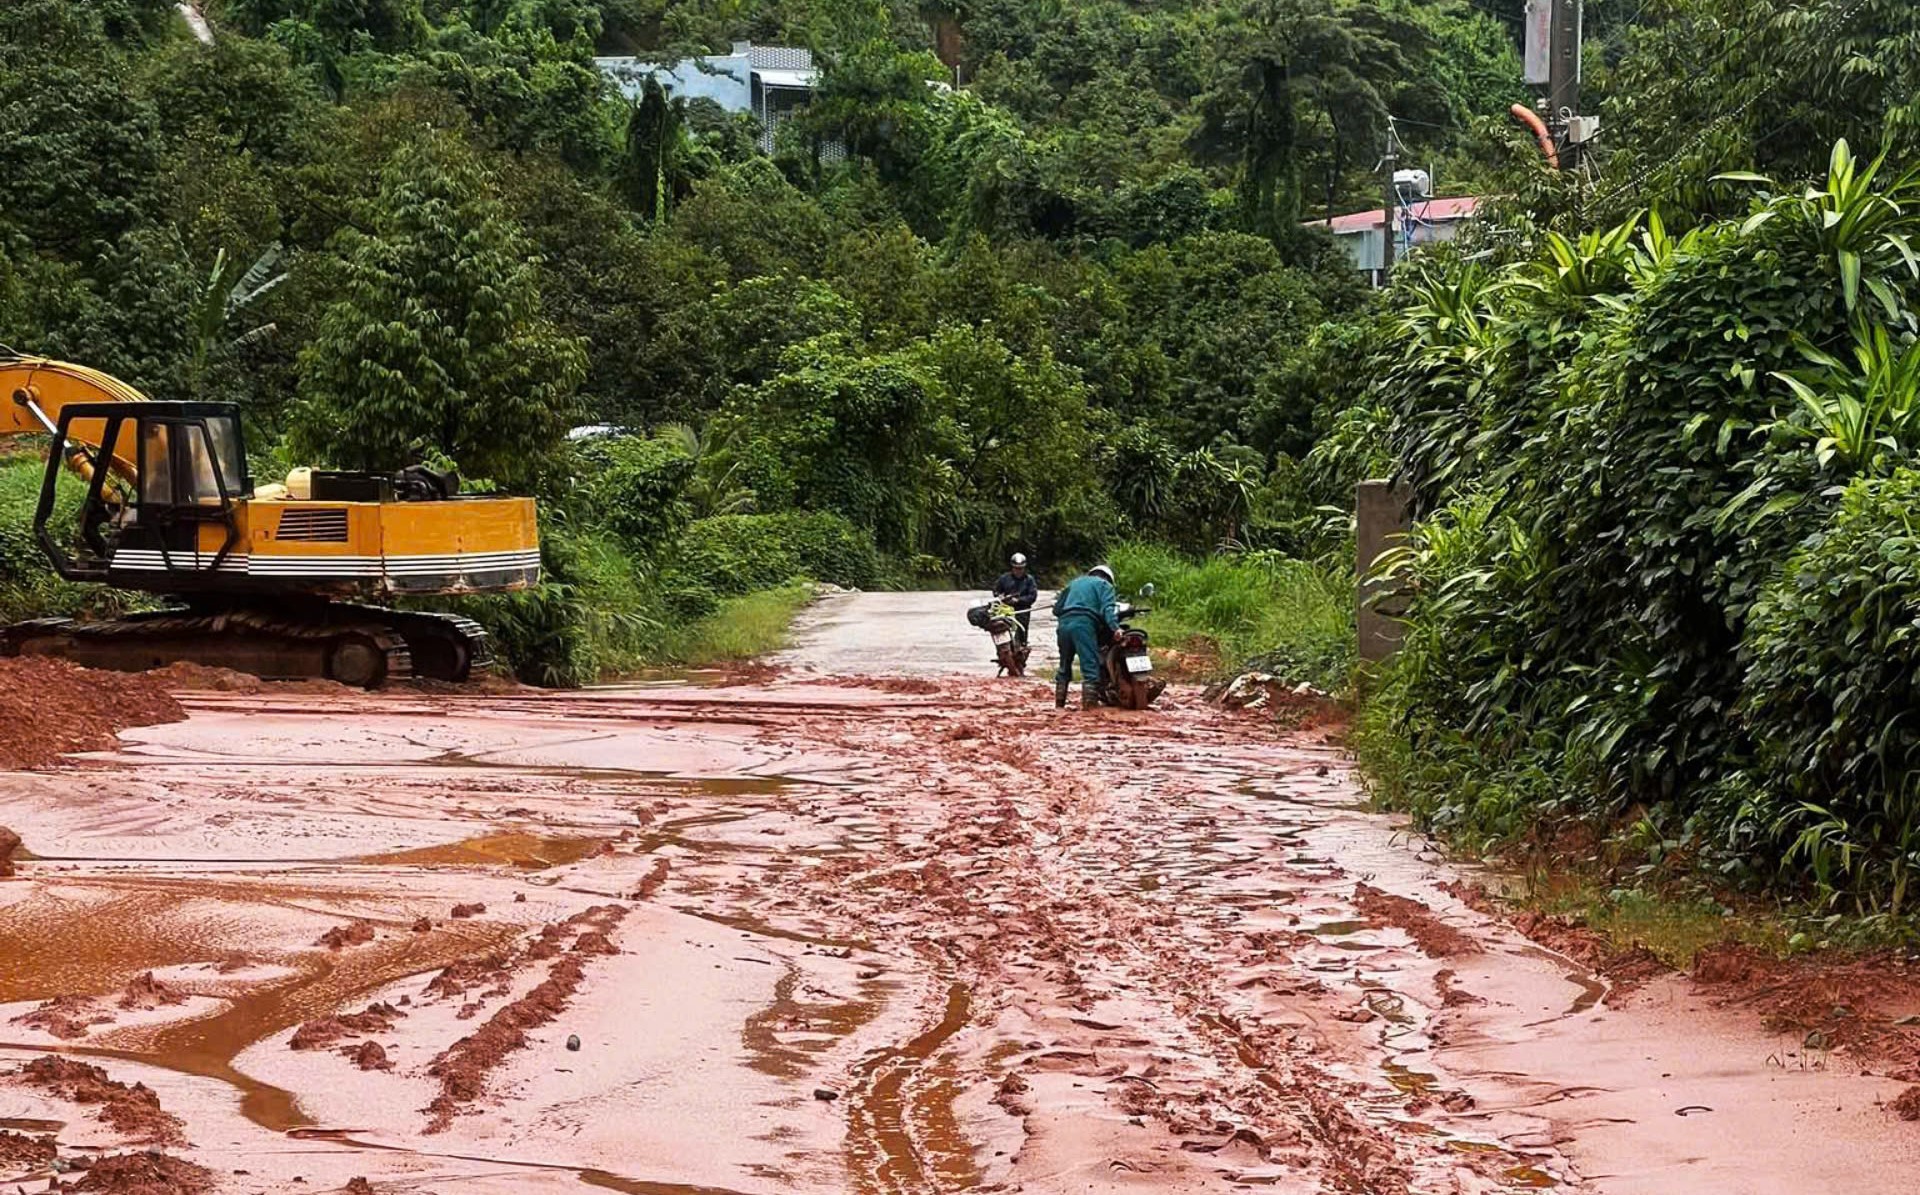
column 813, row 936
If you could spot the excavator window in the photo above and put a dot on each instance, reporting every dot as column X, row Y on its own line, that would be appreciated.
column 183, row 465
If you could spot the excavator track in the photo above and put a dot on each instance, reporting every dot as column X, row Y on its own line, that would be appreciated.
column 446, row 647
column 346, row 645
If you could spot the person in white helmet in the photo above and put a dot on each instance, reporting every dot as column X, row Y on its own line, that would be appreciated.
column 1084, row 607
column 1017, row 587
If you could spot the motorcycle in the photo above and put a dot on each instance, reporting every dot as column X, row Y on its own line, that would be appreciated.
column 999, row 619
column 1126, row 670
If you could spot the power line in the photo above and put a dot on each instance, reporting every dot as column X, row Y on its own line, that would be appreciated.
column 1833, row 17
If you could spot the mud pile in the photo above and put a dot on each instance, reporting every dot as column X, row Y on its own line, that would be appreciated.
column 134, row 1111
column 49, row 708
column 145, row 1174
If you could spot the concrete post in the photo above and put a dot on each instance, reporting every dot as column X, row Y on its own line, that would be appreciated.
column 1382, row 513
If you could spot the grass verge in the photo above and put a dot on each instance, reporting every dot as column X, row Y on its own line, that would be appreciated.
column 1213, row 616
column 743, row 628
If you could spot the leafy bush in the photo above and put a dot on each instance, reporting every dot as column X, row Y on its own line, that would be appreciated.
column 638, row 490
column 1832, row 684
column 737, row 554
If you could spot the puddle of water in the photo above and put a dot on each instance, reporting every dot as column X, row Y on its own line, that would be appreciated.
column 1415, row 1083
column 1531, row 1177
column 768, row 1035
column 587, row 1175
column 514, row 848
column 1338, row 929
column 900, row 1141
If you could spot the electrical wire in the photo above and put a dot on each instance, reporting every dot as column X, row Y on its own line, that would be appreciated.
column 1834, row 16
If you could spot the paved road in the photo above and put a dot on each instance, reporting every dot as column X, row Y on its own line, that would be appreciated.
column 906, row 634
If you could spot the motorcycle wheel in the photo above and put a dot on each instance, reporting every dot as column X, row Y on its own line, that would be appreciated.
column 1008, row 663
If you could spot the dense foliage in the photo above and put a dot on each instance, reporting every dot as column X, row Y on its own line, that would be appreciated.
column 1637, row 597
column 1067, row 301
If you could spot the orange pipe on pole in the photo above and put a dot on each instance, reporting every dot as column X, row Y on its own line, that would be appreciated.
column 1527, row 116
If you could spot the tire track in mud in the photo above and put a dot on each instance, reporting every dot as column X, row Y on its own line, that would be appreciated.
column 902, row 1135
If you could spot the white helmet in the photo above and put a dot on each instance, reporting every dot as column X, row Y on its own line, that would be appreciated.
column 1019, row 560
column 1101, row 570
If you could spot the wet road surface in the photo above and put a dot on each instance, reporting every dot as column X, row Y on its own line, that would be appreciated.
column 820, row 933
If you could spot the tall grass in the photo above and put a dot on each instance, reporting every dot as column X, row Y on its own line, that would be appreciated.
column 1255, row 609
column 743, row 628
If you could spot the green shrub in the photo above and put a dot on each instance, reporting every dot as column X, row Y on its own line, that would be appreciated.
column 1833, row 686
column 1261, row 609
column 735, row 554
column 637, row 490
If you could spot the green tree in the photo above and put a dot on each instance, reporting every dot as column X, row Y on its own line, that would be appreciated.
column 437, row 341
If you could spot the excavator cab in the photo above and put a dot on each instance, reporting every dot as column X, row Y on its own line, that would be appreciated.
column 188, row 466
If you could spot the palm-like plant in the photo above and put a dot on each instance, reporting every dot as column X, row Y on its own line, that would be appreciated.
column 226, row 294
column 1861, row 413
column 715, row 487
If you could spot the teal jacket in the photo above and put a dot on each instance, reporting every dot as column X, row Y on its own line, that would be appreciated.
column 1089, row 595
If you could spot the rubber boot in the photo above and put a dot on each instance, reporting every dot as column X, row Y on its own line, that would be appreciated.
column 1089, row 697
column 1060, row 692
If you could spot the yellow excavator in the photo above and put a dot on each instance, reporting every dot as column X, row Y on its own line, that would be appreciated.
column 269, row 580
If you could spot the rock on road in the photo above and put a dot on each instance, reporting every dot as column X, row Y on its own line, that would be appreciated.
column 879, row 923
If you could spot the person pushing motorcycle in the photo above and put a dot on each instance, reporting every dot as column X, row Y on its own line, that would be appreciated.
column 1085, row 606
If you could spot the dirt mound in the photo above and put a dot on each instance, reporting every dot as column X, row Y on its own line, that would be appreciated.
column 1907, row 1104
column 147, row 1173
column 187, row 676
column 368, row 1056
column 146, row 992
column 359, row 1186
column 1833, row 1004
column 134, row 1111
column 356, row 933
column 21, row 1152
column 1434, row 936
column 49, row 708
column 65, row 1017
column 461, row 912
column 324, row 1031
column 9, row 843
column 462, row 1068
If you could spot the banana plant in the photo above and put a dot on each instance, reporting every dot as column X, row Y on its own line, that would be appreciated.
column 225, row 296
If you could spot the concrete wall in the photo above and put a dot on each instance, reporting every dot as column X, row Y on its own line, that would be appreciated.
column 1382, row 515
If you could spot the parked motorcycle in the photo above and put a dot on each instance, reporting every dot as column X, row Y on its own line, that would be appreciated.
column 1126, row 669
column 999, row 619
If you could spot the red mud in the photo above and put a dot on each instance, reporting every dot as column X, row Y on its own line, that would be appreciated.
column 50, row 708
column 146, row 993
column 1433, row 935
column 468, row 910
column 21, row 1152
column 368, row 1056
column 1907, row 1104
column 147, row 1173
column 324, row 1031
column 134, row 1111
column 358, row 1185
column 462, row 1068
column 1840, row 1004
column 65, row 1017
column 9, row 843
column 355, row 933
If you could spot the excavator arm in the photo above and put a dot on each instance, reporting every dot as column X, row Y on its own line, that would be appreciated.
column 36, row 390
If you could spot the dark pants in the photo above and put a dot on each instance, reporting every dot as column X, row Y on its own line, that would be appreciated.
column 1079, row 635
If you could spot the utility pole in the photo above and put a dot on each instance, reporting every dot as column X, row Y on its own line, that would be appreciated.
column 1563, row 79
column 1389, row 162
column 1553, row 64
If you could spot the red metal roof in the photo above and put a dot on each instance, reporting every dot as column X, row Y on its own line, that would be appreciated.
column 1458, row 208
